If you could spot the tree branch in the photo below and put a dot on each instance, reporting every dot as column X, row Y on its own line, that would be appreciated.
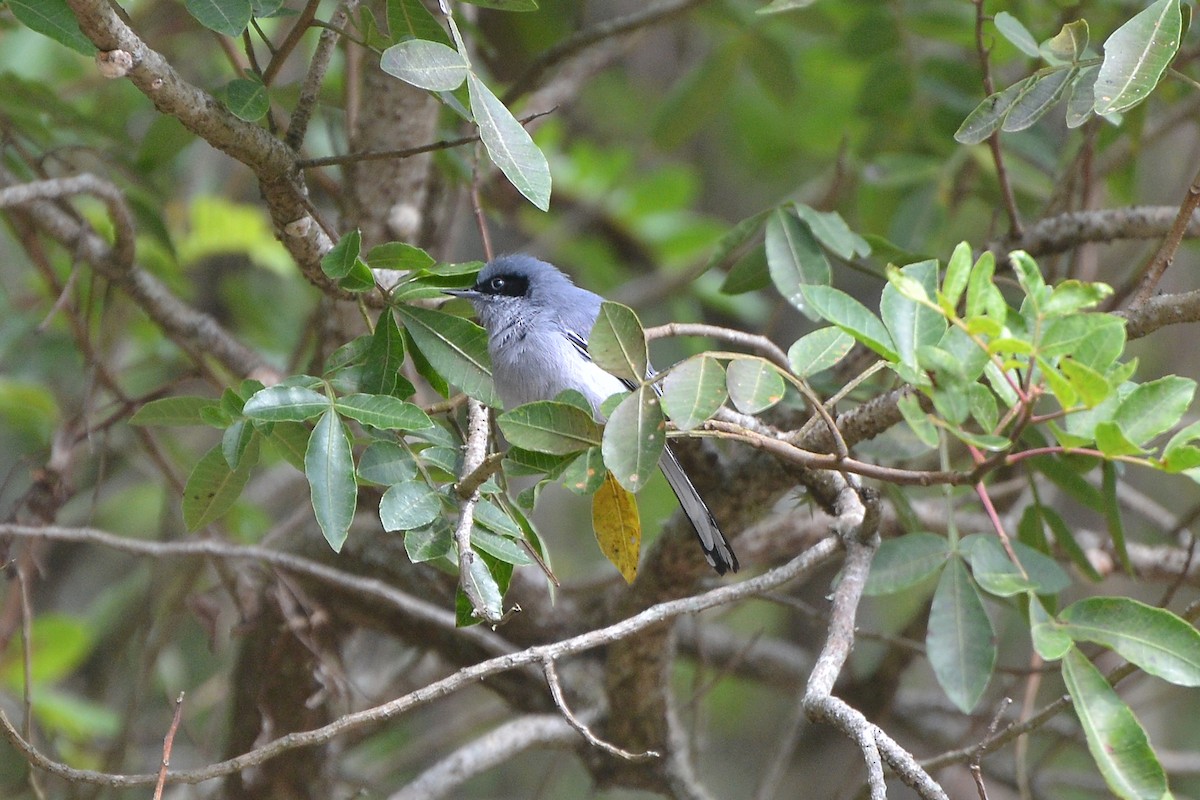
column 803, row 565
column 193, row 330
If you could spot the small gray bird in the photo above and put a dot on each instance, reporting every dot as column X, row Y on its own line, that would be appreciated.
column 537, row 323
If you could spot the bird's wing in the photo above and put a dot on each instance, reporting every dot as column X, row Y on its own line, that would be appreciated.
column 580, row 344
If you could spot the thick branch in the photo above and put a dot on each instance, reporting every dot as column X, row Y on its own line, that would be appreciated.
column 1064, row 232
column 273, row 162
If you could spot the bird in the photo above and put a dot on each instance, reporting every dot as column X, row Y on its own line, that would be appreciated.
column 537, row 322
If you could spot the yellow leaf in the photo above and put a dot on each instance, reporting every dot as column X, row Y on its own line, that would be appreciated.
column 617, row 525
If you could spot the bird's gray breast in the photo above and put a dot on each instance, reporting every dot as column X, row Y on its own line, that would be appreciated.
column 533, row 365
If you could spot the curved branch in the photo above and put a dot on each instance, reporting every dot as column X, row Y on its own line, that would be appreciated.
column 803, row 565
column 193, row 330
column 273, row 162
column 489, row 750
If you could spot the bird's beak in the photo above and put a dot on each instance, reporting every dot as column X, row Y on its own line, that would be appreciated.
column 466, row 294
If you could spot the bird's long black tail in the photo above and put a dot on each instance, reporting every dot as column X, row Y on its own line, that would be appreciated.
column 716, row 547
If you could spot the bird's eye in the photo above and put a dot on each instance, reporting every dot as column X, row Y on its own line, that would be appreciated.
column 496, row 284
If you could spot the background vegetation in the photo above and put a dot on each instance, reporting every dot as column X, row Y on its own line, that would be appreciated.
column 251, row 523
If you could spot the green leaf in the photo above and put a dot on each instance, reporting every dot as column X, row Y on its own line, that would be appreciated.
column 411, row 19
column 1012, row 29
column 960, row 640
column 455, row 347
column 1071, row 296
column 1091, row 387
column 794, row 258
column 550, row 427
column 400, row 257
column 359, row 279
column 833, row 232
column 384, row 357
column 734, row 238
column 1048, row 640
column 479, row 596
column 1154, row 408
column 693, row 391
column 1113, row 442
column 229, row 17
column 1094, row 340
column 431, row 542
column 59, row 644
column 618, row 344
column 285, row 403
column 290, row 440
column 235, row 441
column 1037, row 96
column 983, row 298
column 501, row 548
column 996, row 573
column 1136, row 56
column 911, row 323
column 509, row 144
column 988, row 116
column 427, row 65
column 386, row 463
column 634, row 438
column 1082, row 100
column 341, row 258
column 1115, row 738
column 172, row 411
column 212, row 487
column 247, row 99
column 918, row 420
column 1069, row 44
column 906, row 561
column 754, row 384
column 851, row 316
column 749, row 274
column 383, row 412
column 958, row 270
column 1154, row 639
column 1066, row 540
column 584, row 474
column 409, row 505
column 329, row 467
column 53, row 18
column 819, row 350
column 984, row 409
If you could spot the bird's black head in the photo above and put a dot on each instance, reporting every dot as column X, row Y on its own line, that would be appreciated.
column 514, row 276
column 503, row 285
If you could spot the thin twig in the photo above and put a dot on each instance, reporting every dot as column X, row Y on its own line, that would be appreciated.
column 469, row 484
column 1166, row 252
column 560, row 702
column 311, row 88
column 806, row 458
column 168, row 743
column 27, row 665
column 600, row 32
column 297, row 31
column 1006, row 191
column 408, row 152
column 758, row 344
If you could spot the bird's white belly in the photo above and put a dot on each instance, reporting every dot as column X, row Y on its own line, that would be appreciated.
column 540, row 367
